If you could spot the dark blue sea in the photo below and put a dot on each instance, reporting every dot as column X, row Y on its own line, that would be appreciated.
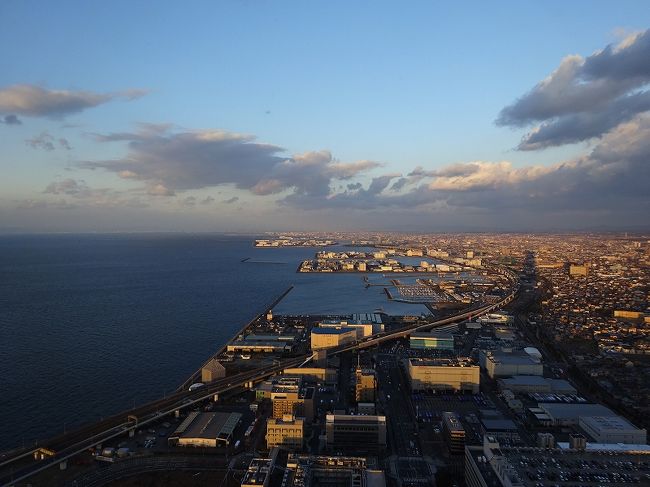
column 92, row 324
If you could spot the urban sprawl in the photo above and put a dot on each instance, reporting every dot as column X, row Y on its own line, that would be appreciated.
column 529, row 366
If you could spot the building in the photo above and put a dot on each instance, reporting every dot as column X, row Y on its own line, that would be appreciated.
column 287, row 432
column 545, row 440
column 363, row 329
column 500, row 428
column 206, row 429
column 367, row 408
column 492, row 465
column 212, row 371
column 310, row 470
column 578, row 270
column 258, row 473
column 259, row 346
column 495, row 319
column 443, row 375
column 612, row 429
column 289, row 396
column 355, row 433
column 431, row 340
column 261, row 471
column 562, row 414
column 328, row 337
column 364, row 385
column 315, row 374
column 507, row 364
column 454, row 432
column 535, row 383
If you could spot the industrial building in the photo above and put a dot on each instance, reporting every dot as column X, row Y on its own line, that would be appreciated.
column 454, row 432
column 206, row 429
column 431, row 340
column 355, row 433
column 212, row 371
column 443, row 374
column 612, row 429
column 535, row 383
column 328, row 337
column 287, row 432
column 510, row 363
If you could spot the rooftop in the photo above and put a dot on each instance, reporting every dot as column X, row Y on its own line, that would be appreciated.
column 332, row 331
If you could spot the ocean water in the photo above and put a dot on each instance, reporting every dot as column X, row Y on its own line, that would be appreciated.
column 92, row 324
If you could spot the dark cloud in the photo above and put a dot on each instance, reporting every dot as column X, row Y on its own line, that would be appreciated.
column 10, row 120
column 585, row 97
column 612, row 179
column 232, row 200
column 582, row 126
column 42, row 141
column 180, row 161
column 354, row 186
column 35, row 101
column 399, row 184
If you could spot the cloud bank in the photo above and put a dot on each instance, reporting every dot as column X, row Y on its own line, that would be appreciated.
column 34, row 101
column 585, row 98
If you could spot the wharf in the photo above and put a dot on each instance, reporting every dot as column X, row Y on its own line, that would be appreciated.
column 196, row 376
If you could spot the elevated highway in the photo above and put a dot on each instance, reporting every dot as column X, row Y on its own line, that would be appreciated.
column 15, row 469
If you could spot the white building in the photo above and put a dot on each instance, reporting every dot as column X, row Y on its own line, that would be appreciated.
column 612, row 429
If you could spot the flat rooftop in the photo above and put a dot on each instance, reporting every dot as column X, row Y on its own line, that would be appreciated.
column 331, row 331
column 208, row 425
column 559, row 410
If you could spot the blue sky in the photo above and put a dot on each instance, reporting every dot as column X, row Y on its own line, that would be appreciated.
column 399, row 85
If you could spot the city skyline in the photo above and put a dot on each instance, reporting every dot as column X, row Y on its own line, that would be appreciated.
column 254, row 117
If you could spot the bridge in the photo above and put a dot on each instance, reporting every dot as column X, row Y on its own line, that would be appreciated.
column 67, row 446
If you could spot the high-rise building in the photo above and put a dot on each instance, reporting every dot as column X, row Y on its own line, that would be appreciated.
column 365, row 385
column 454, row 432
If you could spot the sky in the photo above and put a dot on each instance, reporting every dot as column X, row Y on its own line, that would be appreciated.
column 249, row 116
